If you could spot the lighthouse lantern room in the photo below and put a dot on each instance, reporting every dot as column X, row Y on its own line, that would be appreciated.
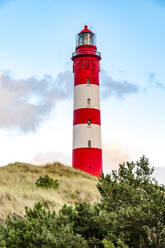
column 87, row 149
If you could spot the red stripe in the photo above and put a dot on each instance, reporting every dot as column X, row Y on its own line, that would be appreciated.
column 81, row 78
column 88, row 159
column 85, row 69
column 85, row 114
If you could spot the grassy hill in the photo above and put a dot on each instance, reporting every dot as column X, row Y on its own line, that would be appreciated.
column 18, row 189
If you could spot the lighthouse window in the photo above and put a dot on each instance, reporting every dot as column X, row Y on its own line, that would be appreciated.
column 89, row 122
column 89, row 143
column 88, row 81
column 89, row 101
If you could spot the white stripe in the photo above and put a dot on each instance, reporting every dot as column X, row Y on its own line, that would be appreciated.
column 83, row 92
column 82, row 133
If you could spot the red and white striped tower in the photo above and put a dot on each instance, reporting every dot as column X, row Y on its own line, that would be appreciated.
column 87, row 151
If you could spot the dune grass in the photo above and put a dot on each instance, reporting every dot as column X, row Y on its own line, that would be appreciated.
column 18, row 189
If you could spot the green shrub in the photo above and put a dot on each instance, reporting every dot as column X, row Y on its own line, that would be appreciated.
column 130, row 214
column 39, row 228
column 47, row 182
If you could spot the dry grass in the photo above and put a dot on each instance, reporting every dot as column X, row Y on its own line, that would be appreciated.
column 18, row 189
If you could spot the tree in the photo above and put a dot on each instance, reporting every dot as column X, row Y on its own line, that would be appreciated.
column 135, row 204
column 39, row 228
column 86, row 221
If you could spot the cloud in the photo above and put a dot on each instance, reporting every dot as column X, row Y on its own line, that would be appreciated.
column 111, row 87
column 154, row 82
column 115, row 154
column 160, row 85
column 25, row 103
column 151, row 76
column 49, row 157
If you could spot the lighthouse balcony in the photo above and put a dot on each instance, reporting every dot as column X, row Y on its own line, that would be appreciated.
column 86, row 53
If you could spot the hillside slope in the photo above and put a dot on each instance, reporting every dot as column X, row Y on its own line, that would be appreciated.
column 18, row 189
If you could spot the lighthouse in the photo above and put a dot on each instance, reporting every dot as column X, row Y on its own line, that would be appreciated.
column 87, row 149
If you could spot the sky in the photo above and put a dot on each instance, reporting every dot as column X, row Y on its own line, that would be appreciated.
column 37, row 39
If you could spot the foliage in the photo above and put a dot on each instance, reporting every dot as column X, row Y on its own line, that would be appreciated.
column 131, row 214
column 40, row 228
column 47, row 182
column 86, row 222
column 135, row 204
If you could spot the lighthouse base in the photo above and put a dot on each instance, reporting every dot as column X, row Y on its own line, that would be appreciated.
column 88, row 160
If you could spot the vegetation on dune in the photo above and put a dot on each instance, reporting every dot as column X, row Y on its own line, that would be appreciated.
column 130, row 214
column 18, row 188
column 47, row 182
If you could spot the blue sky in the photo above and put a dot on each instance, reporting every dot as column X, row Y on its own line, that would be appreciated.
column 129, row 34
column 37, row 39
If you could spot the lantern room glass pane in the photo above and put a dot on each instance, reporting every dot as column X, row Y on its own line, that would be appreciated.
column 86, row 39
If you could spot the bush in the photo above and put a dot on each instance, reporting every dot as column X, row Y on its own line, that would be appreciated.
column 47, row 182
column 131, row 213
column 135, row 205
column 39, row 228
